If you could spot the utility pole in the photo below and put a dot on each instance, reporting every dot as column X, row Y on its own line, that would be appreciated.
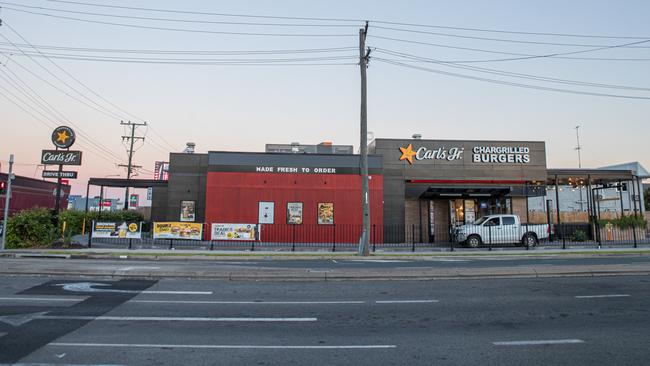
column 10, row 177
column 364, row 56
column 578, row 148
column 129, row 168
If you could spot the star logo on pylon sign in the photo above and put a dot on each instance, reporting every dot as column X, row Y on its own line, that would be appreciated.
column 62, row 136
column 407, row 153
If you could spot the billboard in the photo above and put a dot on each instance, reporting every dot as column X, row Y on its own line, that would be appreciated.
column 111, row 229
column 161, row 170
column 233, row 231
column 178, row 230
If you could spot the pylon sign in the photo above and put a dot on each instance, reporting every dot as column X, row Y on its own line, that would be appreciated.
column 63, row 137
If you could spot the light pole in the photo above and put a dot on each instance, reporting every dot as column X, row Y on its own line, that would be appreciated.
column 10, row 177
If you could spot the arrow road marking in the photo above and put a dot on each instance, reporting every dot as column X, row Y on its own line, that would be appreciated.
column 91, row 287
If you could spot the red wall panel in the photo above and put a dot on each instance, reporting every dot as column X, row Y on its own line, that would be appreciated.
column 234, row 198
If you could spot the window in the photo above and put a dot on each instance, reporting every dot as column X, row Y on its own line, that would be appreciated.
column 294, row 213
column 493, row 222
column 508, row 220
column 326, row 213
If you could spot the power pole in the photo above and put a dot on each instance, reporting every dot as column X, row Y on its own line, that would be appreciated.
column 10, row 177
column 364, row 56
column 129, row 168
column 578, row 148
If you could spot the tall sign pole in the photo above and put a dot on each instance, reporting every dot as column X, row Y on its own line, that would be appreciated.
column 363, row 145
column 62, row 137
column 7, row 198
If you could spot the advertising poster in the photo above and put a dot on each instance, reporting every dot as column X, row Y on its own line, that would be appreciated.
column 326, row 213
column 233, row 231
column 161, row 170
column 109, row 229
column 188, row 210
column 294, row 213
column 134, row 200
column 178, row 230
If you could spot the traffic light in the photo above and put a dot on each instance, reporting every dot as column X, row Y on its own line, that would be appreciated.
column 3, row 187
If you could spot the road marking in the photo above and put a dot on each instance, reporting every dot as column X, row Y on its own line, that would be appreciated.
column 173, row 319
column 405, row 301
column 91, row 287
column 54, row 364
column 600, row 296
column 220, row 346
column 249, row 302
column 378, row 260
column 136, row 268
column 42, row 299
column 538, row 342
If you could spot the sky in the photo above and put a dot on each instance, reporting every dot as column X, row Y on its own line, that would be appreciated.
column 314, row 96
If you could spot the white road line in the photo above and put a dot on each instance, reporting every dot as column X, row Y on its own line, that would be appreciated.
column 173, row 319
column 249, row 302
column 220, row 346
column 177, row 292
column 538, row 342
column 600, row 296
column 42, row 299
column 378, row 260
column 405, row 301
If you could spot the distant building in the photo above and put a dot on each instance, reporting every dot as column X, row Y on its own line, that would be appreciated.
column 322, row 148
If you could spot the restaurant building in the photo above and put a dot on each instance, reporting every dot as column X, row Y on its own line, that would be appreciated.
column 419, row 189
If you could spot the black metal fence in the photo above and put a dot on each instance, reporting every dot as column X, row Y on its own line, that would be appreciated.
column 400, row 237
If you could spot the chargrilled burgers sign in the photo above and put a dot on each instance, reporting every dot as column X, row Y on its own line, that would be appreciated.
column 61, row 157
column 479, row 154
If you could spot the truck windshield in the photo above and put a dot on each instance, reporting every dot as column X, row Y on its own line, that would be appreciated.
column 480, row 221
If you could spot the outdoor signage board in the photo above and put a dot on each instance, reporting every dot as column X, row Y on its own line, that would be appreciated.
column 121, row 229
column 265, row 213
column 178, row 230
column 63, row 137
column 61, row 157
column 188, row 211
column 133, row 200
column 57, row 174
column 233, row 231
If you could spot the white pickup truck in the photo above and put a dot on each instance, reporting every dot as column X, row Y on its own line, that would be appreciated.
column 501, row 229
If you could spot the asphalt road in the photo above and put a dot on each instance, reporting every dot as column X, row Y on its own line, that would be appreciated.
column 545, row 321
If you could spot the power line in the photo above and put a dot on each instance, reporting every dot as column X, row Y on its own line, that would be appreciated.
column 192, row 52
column 509, row 74
column 494, row 39
column 173, row 19
column 182, row 29
column 508, row 83
column 378, row 21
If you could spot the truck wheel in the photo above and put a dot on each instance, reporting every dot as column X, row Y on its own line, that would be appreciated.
column 530, row 240
column 474, row 241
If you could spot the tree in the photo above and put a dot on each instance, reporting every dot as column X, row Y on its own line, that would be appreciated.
column 646, row 198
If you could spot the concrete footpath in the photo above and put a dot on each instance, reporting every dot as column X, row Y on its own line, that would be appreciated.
column 323, row 266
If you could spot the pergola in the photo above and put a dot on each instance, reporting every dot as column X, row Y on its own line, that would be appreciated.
column 120, row 183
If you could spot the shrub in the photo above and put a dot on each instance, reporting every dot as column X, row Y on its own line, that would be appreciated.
column 30, row 228
column 579, row 236
column 624, row 222
column 75, row 219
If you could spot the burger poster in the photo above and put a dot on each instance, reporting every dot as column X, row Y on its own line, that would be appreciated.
column 233, row 231
column 109, row 229
column 326, row 213
column 178, row 230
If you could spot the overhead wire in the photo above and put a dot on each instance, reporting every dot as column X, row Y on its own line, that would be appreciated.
column 509, row 74
column 508, row 83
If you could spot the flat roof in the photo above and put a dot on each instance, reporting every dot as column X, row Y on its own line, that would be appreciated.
column 123, row 182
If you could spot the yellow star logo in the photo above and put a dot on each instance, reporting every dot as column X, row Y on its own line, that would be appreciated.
column 407, row 153
column 62, row 136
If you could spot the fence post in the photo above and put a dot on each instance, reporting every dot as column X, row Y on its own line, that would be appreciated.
column 634, row 234
column 374, row 237
column 171, row 244
column 563, row 236
column 413, row 238
column 293, row 238
column 211, row 244
column 90, row 233
column 130, row 239
column 490, row 237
